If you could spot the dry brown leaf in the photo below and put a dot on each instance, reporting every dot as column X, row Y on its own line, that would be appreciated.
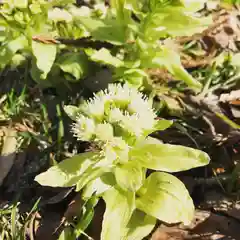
column 8, row 152
column 205, row 226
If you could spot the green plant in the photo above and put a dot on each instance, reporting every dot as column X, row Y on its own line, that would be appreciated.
column 134, row 29
column 28, row 32
column 13, row 225
column 119, row 121
column 124, row 36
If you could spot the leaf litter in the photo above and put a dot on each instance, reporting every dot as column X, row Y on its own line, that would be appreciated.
column 212, row 220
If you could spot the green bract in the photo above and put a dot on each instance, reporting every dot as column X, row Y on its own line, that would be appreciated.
column 119, row 120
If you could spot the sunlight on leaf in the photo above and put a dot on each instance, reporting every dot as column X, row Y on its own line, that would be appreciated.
column 139, row 226
column 8, row 50
column 102, row 31
column 167, row 157
column 93, row 172
column 67, row 172
column 172, row 20
column 45, row 55
column 75, row 64
column 105, row 57
column 119, row 208
column 165, row 197
column 129, row 176
column 99, row 185
column 20, row 3
column 171, row 61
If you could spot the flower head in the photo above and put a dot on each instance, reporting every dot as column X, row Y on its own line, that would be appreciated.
column 118, row 107
column 104, row 132
column 84, row 128
column 94, row 108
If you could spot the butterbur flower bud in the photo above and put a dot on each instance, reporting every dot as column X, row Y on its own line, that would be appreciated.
column 120, row 95
column 119, row 110
column 84, row 128
column 115, row 115
column 104, row 132
column 130, row 123
column 94, row 108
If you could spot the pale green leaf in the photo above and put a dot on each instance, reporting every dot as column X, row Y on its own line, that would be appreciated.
column 135, row 6
column 171, row 61
column 154, row 56
column 235, row 60
column 67, row 172
column 165, row 197
column 105, row 57
column 8, row 50
column 150, row 140
column 59, row 15
column 17, row 60
column 67, row 234
column 86, row 218
column 163, row 124
column 123, row 15
column 167, row 157
column 139, row 226
column 45, row 55
column 93, row 172
column 72, row 111
column 35, row 8
column 134, row 77
column 75, row 64
column 110, row 32
column 174, row 21
column 99, row 185
column 119, row 208
column 8, row 151
column 37, row 76
column 129, row 176
column 20, row 3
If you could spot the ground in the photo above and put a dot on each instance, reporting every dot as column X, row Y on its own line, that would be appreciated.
column 35, row 132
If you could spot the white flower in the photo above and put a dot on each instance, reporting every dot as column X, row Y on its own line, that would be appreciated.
column 104, row 132
column 119, row 105
column 94, row 108
column 119, row 95
column 130, row 123
column 143, row 109
column 84, row 128
column 137, row 124
column 115, row 115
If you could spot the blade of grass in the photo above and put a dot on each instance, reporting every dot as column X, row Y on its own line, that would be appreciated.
column 228, row 121
column 13, row 221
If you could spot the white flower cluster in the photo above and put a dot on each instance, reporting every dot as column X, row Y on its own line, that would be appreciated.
column 114, row 115
column 121, row 105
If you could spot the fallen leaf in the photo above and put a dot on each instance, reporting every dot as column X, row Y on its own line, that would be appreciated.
column 8, row 152
column 205, row 226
